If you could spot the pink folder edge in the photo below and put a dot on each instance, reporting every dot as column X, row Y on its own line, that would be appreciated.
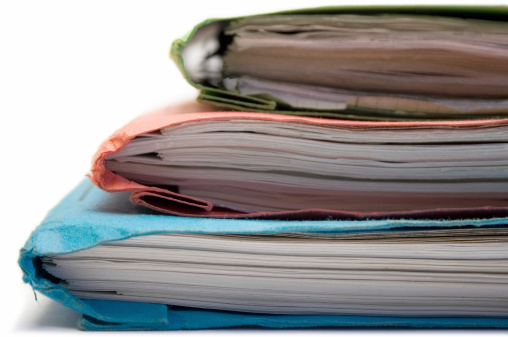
column 166, row 201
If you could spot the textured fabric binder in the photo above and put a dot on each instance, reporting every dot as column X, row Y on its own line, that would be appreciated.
column 88, row 217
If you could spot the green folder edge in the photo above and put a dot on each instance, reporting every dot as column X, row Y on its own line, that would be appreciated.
column 235, row 101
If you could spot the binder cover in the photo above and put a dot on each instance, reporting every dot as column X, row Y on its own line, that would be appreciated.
column 167, row 201
column 89, row 216
column 232, row 100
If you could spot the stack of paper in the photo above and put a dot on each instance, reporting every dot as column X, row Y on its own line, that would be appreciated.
column 435, row 273
column 408, row 66
column 267, row 166
column 351, row 170
column 448, row 61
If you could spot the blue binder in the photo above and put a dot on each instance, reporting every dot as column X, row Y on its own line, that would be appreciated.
column 88, row 217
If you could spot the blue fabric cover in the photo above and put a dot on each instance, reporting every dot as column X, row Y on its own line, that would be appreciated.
column 89, row 216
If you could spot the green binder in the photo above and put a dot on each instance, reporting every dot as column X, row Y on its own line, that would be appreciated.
column 265, row 102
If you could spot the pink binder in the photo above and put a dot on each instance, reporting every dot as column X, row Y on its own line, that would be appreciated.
column 170, row 202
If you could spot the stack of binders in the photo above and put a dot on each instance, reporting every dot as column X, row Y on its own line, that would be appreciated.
column 343, row 167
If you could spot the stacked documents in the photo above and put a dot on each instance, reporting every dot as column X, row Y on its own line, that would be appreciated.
column 344, row 167
column 254, row 165
column 445, row 273
column 386, row 65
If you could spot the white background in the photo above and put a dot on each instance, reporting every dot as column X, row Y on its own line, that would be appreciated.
column 71, row 72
